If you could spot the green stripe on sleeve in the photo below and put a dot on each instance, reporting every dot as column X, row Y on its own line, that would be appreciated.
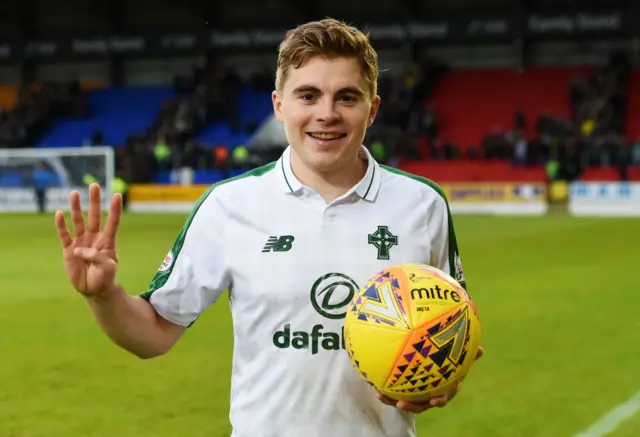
column 161, row 277
column 453, row 243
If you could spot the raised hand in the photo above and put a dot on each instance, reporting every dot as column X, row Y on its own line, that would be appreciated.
column 90, row 257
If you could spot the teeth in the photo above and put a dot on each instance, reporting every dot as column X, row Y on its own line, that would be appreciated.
column 326, row 136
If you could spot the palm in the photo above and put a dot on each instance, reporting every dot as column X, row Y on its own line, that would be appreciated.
column 90, row 276
column 86, row 276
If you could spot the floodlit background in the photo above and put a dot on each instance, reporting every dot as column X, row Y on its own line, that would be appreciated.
column 526, row 112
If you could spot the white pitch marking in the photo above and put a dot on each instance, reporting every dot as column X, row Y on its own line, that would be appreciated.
column 610, row 421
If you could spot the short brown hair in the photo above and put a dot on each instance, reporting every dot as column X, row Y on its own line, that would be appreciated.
column 329, row 38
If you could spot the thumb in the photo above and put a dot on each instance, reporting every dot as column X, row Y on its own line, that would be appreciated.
column 91, row 255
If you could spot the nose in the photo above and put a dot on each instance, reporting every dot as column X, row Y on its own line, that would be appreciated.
column 326, row 112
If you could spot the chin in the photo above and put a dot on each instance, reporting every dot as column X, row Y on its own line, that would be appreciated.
column 324, row 162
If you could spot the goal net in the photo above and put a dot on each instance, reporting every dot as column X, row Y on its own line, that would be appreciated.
column 56, row 171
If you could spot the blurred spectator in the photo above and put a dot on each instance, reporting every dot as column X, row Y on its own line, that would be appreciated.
column 378, row 151
column 43, row 179
column 520, row 121
column 162, row 153
column 222, row 160
column 406, row 128
column 37, row 108
column 635, row 153
column 240, row 157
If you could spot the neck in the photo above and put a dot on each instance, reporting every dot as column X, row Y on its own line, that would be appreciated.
column 330, row 184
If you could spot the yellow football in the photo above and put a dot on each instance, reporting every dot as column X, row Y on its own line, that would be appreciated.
column 412, row 332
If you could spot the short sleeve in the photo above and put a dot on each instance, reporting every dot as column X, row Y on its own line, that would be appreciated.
column 445, row 253
column 193, row 275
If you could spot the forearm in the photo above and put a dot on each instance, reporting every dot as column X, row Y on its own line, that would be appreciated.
column 132, row 323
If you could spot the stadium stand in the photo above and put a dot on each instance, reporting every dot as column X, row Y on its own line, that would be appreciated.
column 480, row 124
column 476, row 171
column 487, row 99
column 116, row 112
column 632, row 124
column 29, row 111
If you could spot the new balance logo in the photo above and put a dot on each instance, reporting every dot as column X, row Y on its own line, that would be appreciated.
column 279, row 244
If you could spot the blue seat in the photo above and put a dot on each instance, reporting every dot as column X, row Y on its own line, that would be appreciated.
column 117, row 111
column 12, row 179
column 201, row 177
column 122, row 111
column 207, row 177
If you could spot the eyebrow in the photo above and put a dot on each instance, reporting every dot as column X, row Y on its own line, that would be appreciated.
column 313, row 89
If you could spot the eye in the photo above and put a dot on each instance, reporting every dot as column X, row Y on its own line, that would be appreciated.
column 308, row 97
column 349, row 99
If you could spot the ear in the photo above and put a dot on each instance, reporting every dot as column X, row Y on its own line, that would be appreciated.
column 277, row 106
column 373, row 111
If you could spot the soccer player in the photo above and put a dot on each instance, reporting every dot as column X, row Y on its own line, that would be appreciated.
column 291, row 242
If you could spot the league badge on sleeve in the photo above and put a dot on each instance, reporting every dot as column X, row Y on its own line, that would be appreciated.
column 166, row 264
column 459, row 276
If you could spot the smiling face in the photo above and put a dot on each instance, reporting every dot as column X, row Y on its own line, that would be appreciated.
column 326, row 106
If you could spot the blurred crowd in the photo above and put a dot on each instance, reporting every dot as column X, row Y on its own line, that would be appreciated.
column 593, row 135
column 37, row 107
column 406, row 128
column 208, row 94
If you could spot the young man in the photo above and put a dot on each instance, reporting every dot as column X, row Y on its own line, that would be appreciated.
column 282, row 238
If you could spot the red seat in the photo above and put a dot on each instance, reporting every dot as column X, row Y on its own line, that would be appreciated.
column 632, row 124
column 600, row 174
column 634, row 173
column 474, row 171
column 472, row 102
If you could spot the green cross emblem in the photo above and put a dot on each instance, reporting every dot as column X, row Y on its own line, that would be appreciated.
column 383, row 240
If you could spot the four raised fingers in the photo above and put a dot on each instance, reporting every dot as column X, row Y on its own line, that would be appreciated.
column 94, row 217
column 95, row 209
column 63, row 232
column 77, row 218
column 113, row 220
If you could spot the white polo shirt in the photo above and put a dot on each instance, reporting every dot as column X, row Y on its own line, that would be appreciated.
column 291, row 263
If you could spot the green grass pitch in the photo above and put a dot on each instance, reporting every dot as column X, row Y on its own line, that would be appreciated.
column 558, row 300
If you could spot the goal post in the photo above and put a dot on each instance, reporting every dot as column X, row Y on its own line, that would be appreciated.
column 56, row 172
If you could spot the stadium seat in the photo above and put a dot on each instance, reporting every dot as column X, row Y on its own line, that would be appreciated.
column 634, row 173
column 632, row 123
column 207, row 176
column 11, row 180
column 472, row 102
column 200, row 177
column 117, row 111
column 475, row 171
column 252, row 107
column 600, row 174
column 8, row 96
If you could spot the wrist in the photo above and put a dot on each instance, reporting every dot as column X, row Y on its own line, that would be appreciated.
column 105, row 296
